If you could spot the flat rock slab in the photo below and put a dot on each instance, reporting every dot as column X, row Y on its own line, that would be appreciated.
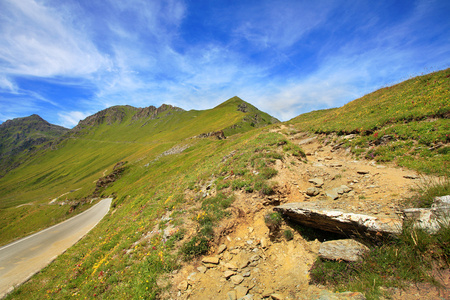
column 210, row 260
column 313, row 214
column 348, row 250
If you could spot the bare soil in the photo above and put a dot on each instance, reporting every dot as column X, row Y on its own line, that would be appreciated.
column 275, row 267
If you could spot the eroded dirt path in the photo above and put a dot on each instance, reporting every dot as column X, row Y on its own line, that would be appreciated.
column 254, row 265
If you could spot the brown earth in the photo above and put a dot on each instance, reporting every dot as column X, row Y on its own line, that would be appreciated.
column 254, row 264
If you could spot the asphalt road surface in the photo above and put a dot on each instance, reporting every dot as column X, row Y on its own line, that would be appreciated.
column 23, row 258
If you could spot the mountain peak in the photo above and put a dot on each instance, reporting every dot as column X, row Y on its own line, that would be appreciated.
column 21, row 135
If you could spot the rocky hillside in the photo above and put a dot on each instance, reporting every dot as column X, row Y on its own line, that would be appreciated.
column 118, row 114
column 194, row 210
column 19, row 137
column 250, row 259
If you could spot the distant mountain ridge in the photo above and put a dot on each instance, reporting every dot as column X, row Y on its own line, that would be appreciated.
column 124, row 123
column 21, row 135
column 119, row 112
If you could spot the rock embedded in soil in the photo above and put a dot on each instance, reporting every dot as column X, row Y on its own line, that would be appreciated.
column 241, row 291
column 332, row 194
column 231, row 266
column 222, row 248
column 228, row 274
column 347, row 249
column 202, row 269
column 312, row 214
column 210, row 260
column 237, row 279
column 318, row 182
column 411, row 177
column 362, row 172
column 312, row 191
column 182, row 286
column 231, row 295
column 327, row 295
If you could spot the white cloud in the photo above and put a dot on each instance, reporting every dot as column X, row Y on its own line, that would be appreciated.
column 8, row 85
column 71, row 118
column 42, row 41
column 281, row 25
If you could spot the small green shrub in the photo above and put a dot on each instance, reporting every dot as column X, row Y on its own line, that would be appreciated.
column 273, row 220
column 266, row 189
column 288, row 234
column 197, row 246
column 268, row 173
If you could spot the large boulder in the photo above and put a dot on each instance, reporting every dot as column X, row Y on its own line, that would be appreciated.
column 430, row 219
column 313, row 214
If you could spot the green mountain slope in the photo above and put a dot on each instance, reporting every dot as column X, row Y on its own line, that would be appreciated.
column 20, row 137
column 407, row 123
column 68, row 171
column 175, row 179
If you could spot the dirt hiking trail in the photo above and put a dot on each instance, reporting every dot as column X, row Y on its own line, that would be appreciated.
column 246, row 263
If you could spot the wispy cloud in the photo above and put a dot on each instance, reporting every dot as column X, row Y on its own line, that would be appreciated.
column 71, row 118
column 42, row 41
column 285, row 57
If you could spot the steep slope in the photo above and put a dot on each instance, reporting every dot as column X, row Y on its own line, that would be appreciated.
column 68, row 171
column 19, row 137
column 407, row 123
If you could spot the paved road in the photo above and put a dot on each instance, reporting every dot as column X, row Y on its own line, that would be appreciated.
column 22, row 259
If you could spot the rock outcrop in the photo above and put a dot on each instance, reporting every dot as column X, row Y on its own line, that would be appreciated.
column 430, row 219
column 313, row 215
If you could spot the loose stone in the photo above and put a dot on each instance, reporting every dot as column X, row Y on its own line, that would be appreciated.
column 237, row 279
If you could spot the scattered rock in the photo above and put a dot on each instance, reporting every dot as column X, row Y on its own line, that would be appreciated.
column 306, row 141
column 241, row 291
column 222, row 248
column 336, row 165
column 313, row 215
column 255, row 257
column 210, row 260
column 236, row 279
column 231, row 266
column 327, row 295
column 182, row 286
column 332, row 194
column 348, row 250
column 312, row 191
column 227, row 274
column 318, row 182
column 243, row 264
column 231, row 295
column 264, row 243
column 191, row 278
column 362, row 172
column 202, row 269
column 411, row 176
column 277, row 296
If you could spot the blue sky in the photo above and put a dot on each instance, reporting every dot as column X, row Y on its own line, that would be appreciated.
column 67, row 59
